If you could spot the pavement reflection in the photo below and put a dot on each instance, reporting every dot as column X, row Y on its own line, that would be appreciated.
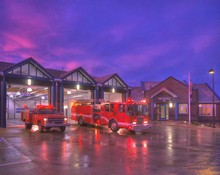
column 162, row 150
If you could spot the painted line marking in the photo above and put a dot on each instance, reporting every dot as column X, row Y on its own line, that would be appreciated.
column 14, row 163
column 9, row 146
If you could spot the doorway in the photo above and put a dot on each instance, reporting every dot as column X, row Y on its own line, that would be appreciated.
column 162, row 111
column 21, row 96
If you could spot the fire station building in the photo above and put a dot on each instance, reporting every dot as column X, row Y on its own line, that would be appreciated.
column 28, row 83
column 168, row 100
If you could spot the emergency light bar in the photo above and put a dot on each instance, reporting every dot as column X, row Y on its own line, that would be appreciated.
column 129, row 100
column 45, row 106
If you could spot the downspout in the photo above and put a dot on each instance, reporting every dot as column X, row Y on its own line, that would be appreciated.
column 152, row 110
column 3, row 103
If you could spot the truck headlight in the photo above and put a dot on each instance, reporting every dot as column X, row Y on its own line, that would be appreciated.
column 134, row 123
column 65, row 119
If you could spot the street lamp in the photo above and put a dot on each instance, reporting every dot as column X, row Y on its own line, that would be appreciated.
column 212, row 72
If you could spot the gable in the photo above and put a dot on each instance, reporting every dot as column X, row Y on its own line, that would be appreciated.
column 28, row 67
column 114, row 81
column 78, row 76
column 172, row 84
column 173, row 87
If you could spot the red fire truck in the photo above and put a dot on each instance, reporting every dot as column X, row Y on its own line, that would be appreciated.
column 45, row 116
column 130, row 115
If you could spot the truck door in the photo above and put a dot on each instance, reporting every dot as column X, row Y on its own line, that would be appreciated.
column 107, row 113
column 119, row 112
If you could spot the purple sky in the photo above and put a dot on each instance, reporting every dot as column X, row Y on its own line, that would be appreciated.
column 141, row 40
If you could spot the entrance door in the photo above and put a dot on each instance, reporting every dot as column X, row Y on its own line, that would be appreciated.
column 162, row 112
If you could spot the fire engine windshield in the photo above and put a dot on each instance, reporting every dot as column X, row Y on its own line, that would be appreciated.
column 47, row 111
column 137, row 109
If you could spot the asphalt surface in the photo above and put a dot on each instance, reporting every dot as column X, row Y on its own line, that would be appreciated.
column 167, row 148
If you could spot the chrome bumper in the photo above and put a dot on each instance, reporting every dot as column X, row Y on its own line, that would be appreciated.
column 56, row 125
column 141, row 127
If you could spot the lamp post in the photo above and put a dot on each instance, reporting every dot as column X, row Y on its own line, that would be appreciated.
column 212, row 72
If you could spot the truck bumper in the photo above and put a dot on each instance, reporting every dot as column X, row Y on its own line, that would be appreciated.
column 140, row 128
column 51, row 125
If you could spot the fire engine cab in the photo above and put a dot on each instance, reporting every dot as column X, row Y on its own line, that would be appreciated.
column 45, row 117
column 130, row 115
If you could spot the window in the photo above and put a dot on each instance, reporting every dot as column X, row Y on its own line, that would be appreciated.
column 39, row 73
column 24, row 69
column 80, row 77
column 113, row 82
column 183, row 108
column 77, row 76
column 206, row 109
column 28, row 69
column 107, row 107
column 74, row 76
column 121, row 108
column 69, row 78
column 17, row 71
column 112, row 107
column 33, row 70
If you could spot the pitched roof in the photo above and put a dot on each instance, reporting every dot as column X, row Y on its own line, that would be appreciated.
column 82, row 71
column 205, row 93
column 56, row 73
column 137, row 93
column 5, row 65
column 103, row 79
column 27, row 61
column 148, row 85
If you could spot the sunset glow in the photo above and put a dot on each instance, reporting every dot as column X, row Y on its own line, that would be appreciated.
column 140, row 40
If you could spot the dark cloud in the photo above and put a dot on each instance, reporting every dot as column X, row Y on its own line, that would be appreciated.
column 140, row 40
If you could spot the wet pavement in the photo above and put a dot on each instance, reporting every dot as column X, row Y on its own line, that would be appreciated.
column 167, row 148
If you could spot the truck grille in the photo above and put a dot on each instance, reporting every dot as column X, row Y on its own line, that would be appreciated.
column 55, row 120
column 140, row 120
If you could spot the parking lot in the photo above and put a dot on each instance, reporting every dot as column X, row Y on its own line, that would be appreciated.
column 167, row 148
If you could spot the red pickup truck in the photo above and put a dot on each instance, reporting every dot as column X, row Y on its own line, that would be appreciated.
column 45, row 117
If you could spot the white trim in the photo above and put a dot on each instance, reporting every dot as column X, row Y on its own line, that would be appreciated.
column 165, row 90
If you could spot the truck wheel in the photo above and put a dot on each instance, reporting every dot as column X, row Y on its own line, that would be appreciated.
column 81, row 121
column 28, row 126
column 40, row 127
column 113, row 126
column 47, row 129
column 62, row 128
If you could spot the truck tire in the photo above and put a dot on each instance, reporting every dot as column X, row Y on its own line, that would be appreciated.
column 28, row 125
column 40, row 127
column 113, row 126
column 81, row 121
column 62, row 128
column 47, row 129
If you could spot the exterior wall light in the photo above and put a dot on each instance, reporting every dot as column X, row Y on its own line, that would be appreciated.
column 113, row 90
column 29, row 82
column 170, row 104
column 77, row 86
